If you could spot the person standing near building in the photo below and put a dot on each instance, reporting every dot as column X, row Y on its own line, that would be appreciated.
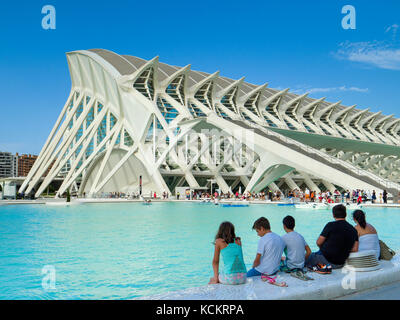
column 359, row 198
column 384, row 196
column 368, row 195
column 348, row 196
column 307, row 195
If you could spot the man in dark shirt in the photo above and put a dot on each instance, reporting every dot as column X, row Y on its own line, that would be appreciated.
column 337, row 240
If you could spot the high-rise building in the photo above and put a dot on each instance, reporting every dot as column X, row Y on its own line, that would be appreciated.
column 8, row 165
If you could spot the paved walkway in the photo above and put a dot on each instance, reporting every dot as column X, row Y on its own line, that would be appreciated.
column 323, row 287
column 115, row 200
column 388, row 292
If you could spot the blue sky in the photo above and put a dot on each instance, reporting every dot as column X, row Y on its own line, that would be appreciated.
column 295, row 44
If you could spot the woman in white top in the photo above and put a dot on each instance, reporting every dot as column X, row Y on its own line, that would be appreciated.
column 367, row 235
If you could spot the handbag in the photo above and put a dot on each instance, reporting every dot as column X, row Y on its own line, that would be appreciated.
column 386, row 252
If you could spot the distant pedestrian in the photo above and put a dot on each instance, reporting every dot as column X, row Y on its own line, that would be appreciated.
column 359, row 199
column 384, row 196
column 373, row 197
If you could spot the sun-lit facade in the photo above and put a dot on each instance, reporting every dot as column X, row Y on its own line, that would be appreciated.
column 127, row 117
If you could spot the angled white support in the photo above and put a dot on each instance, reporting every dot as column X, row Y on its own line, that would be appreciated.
column 126, row 82
column 253, row 92
column 88, row 135
column 267, row 162
column 329, row 186
column 61, row 146
column 37, row 163
column 85, row 164
column 109, row 149
column 274, row 187
column 291, row 102
column 330, row 127
column 309, row 106
column 290, row 182
column 267, row 101
column 364, row 124
column 220, row 94
column 310, row 184
column 378, row 123
column 358, row 114
column 116, row 168
column 268, row 178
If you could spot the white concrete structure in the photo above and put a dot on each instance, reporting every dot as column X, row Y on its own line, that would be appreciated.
column 340, row 283
column 127, row 117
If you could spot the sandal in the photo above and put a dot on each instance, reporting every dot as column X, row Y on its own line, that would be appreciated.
column 300, row 275
column 272, row 280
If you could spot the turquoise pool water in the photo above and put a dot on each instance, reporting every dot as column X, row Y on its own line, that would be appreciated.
column 122, row 251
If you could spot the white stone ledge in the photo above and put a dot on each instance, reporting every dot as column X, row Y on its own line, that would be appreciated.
column 322, row 287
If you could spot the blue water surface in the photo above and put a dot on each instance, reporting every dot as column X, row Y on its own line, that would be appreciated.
column 128, row 250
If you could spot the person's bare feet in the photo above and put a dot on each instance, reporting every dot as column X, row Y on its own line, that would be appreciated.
column 213, row 281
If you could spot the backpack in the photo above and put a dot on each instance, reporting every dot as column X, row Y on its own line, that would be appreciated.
column 386, row 252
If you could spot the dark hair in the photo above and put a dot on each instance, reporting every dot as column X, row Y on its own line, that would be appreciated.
column 289, row 222
column 226, row 231
column 261, row 223
column 339, row 211
column 359, row 216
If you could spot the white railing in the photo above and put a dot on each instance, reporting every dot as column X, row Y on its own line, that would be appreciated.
column 361, row 172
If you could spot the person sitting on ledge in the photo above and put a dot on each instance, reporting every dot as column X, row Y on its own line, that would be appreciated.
column 337, row 240
column 296, row 248
column 367, row 235
column 230, row 247
column 269, row 250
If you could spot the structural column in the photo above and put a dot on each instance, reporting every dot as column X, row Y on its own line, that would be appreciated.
column 309, row 182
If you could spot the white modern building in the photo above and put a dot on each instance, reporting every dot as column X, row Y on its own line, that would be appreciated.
column 127, row 117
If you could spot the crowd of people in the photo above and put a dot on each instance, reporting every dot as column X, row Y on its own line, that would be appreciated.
column 290, row 252
column 306, row 195
column 355, row 196
column 115, row 195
